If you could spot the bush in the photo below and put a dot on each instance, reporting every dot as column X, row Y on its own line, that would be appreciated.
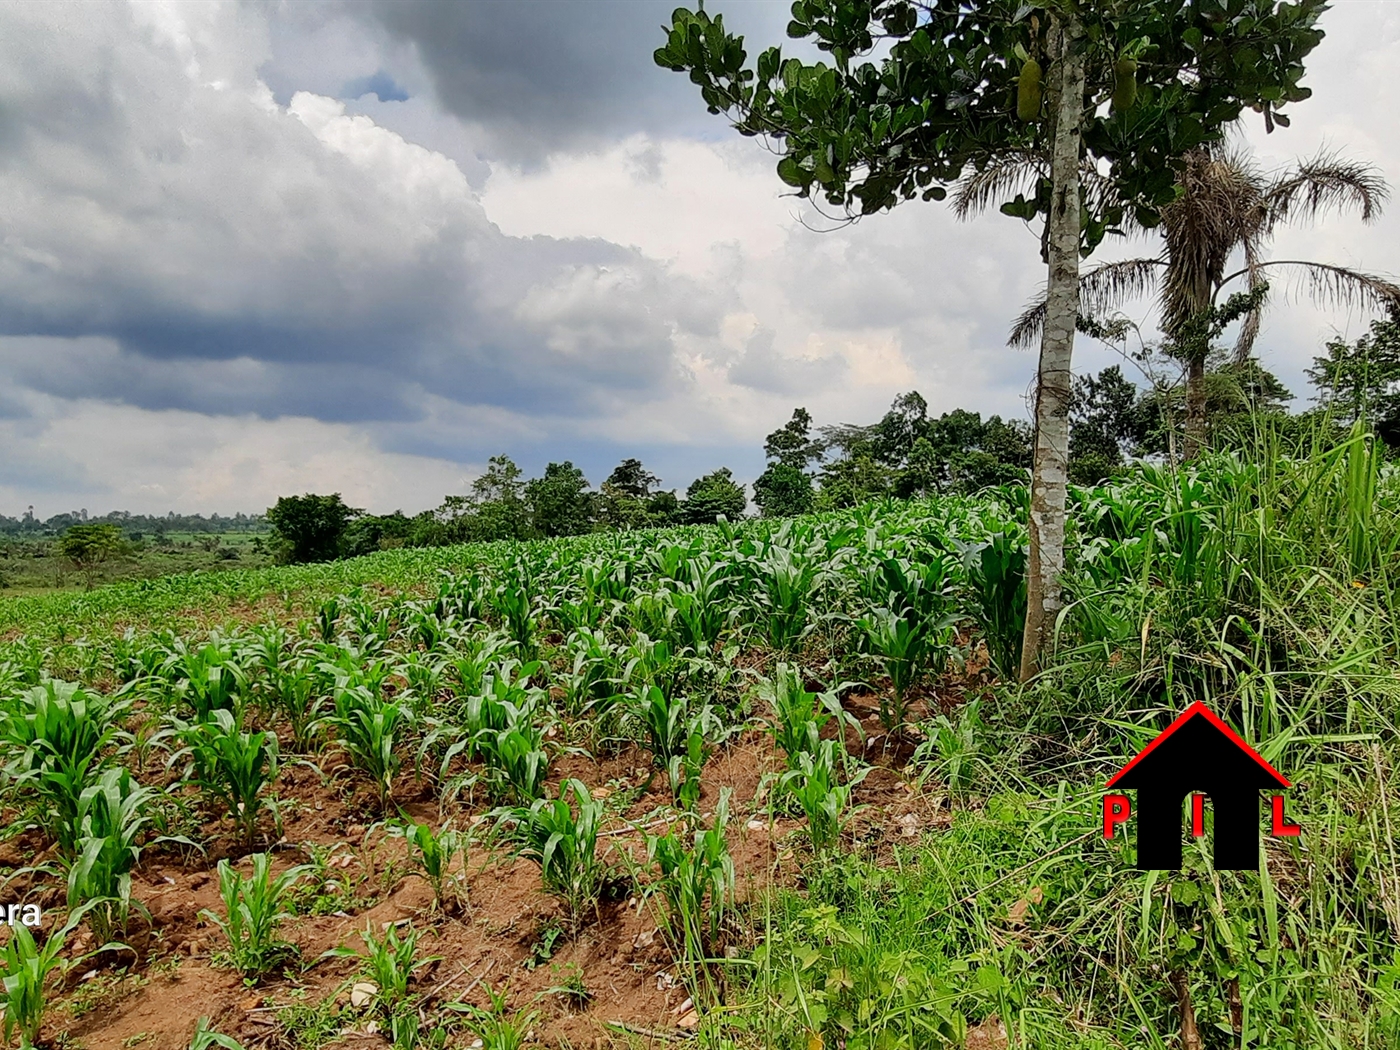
column 309, row 528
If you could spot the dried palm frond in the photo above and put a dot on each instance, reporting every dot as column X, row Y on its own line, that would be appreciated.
column 1102, row 289
column 1321, row 184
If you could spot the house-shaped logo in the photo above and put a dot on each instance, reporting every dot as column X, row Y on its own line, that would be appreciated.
column 1200, row 756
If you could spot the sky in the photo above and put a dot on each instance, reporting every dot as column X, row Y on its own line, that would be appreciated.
column 255, row 249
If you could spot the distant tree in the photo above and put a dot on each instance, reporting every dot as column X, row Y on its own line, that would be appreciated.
column 89, row 547
column 632, row 479
column 782, row 491
column 376, row 532
column 1362, row 379
column 792, row 444
column 909, row 454
column 625, row 499
column 560, row 502
column 495, row 510
column 1106, row 420
column 714, row 494
column 785, row 487
column 664, row 508
column 310, row 528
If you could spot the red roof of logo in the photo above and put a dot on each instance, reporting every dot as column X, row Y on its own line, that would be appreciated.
column 1196, row 710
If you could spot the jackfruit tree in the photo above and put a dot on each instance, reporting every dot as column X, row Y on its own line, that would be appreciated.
column 918, row 95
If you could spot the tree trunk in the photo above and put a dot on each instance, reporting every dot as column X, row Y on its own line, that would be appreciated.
column 1195, row 409
column 1052, row 395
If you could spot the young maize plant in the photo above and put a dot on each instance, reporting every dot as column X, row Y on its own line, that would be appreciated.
column 369, row 728
column 55, row 736
column 697, row 884
column 111, row 816
column 816, row 785
column 254, row 908
column 435, row 853
column 25, row 968
column 563, row 841
column 230, row 767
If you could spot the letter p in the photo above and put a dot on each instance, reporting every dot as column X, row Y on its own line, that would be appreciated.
column 1116, row 810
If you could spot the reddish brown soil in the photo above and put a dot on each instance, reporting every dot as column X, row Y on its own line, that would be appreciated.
column 624, row 961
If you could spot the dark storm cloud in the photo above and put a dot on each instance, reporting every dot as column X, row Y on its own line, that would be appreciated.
column 544, row 75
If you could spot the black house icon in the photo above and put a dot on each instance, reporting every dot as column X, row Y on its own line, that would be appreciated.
column 1198, row 753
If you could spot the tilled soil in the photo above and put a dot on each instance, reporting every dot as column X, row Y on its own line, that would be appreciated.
column 507, row 936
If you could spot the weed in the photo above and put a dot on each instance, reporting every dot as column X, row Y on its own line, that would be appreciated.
column 495, row 1026
column 571, row 986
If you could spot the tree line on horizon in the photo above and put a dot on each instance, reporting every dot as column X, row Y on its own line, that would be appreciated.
column 907, row 454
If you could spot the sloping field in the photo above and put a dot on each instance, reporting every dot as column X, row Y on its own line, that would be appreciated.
column 761, row 785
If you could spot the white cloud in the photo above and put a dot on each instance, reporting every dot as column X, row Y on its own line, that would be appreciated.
column 104, row 456
column 219, row 282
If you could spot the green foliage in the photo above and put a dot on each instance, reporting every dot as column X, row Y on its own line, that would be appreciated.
column 435, row 853
column 563, row 841
column 1108, row 416
column 55, row 735
column 866, row 135
column 496, row 1026
column 89, row 546
column 24, row 971
column 815, row 783
column 560, row 501
column 1362, row 379
column 111, row 815
column 996, row 572
column 713, row 496
column 369, row 727
column 254, row 908
column 231, row 767
column 696, row 883
column 783, row 491
column 310, row 528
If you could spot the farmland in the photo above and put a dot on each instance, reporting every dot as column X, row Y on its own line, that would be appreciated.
column 762, row 784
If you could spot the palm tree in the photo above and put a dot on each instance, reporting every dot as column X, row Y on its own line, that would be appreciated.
column 1228, row 209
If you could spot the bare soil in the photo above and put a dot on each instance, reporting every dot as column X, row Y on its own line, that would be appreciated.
column 505, row 935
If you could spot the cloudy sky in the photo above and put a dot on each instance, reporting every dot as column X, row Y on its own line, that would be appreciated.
column 255, row 249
